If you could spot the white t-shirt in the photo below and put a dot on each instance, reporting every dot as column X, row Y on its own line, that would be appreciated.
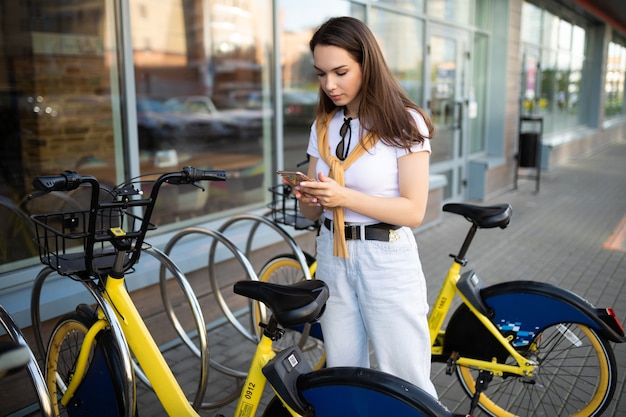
column 375, row 172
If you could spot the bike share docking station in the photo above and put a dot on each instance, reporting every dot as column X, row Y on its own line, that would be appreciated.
column 529, row 147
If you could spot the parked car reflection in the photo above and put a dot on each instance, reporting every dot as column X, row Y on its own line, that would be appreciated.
column 167, row 125
column 247, row 120
column 299, row 107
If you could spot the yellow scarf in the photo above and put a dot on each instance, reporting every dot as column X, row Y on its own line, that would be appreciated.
column 336, row 172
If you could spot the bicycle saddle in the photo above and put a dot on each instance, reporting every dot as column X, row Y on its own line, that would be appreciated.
column 482, row 216
column 293, row 304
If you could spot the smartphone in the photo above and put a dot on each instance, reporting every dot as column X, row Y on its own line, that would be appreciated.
column 294, row 177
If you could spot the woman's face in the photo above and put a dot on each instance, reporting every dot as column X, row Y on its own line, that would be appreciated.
column 340, row 76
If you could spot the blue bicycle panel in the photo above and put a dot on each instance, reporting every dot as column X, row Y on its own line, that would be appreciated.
column 525, row 314
column 346, row 392
column 520, row 310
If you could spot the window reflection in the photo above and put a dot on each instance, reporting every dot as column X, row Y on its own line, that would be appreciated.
column 453, row 10
column 298, row 21
column 553, row 69
column 202, row 84
column 615, row 80
column 56, row 108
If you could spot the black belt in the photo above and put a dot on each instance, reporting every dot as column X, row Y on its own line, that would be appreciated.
column 379, row 231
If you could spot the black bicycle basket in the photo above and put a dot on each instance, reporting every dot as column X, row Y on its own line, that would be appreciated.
column 70, row 245
column 284, row 209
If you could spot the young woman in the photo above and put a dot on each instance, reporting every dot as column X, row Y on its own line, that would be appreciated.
column 369, row 150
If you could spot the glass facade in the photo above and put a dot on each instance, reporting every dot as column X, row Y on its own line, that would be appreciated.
column 199, row 94
column 553, row 65
column 120, row 89
column 203, row 98
column 614, row 81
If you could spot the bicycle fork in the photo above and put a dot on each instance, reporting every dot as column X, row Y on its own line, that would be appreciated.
column 83, row 359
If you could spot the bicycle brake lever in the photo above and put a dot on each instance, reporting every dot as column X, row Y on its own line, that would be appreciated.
column 195, row 184
column 36, row 194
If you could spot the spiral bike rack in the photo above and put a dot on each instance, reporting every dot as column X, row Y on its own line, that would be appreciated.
column 39, row 383
column 217, row 238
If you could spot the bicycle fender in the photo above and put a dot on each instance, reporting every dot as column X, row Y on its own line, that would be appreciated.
column 547, row 305
column 364, row 392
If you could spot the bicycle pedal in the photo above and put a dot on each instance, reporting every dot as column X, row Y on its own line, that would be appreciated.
column 451, row 362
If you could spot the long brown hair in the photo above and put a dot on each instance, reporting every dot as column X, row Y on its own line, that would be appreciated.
column 383, row 103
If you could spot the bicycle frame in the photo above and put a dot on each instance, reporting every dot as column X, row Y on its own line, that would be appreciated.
column 511, row 296
column 438, row 314
column 141, row 344
column 153, row 364
column 252, row 391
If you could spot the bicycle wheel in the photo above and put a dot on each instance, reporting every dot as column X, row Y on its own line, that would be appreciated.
column 285, row 269
column 576, row 377
column 100, row 391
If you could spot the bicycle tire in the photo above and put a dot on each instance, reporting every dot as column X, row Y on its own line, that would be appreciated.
column 98, row 395
column 576, row 377
column 286, row 269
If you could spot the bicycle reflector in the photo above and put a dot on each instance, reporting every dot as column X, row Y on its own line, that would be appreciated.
column 608, row 316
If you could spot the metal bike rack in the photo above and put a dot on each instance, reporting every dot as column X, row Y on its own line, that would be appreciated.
column 217, row 238
column 39, row 383
column 258, row 220
column 297, row 251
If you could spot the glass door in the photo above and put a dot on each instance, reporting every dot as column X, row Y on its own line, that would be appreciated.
column 446, row 98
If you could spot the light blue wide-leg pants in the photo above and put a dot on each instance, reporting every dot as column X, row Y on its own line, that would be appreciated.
column 378, row 293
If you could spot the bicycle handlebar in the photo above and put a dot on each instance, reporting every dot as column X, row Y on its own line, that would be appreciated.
column 70, row 180
column 104, row 216
column 194, row 175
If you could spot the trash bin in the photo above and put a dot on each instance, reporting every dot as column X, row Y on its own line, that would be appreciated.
column 528, row 150
column 529, row 146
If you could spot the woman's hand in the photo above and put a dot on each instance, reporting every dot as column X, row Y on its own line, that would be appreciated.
column 326, row 192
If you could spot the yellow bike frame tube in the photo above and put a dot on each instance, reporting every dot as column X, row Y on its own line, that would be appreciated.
column 526, row 366
column 444, row 301
column 497, row 368
column 146, row 351
column 252, row 391
column 81, row 362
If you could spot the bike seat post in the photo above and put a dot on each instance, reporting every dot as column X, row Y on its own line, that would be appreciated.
column 460, row 258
